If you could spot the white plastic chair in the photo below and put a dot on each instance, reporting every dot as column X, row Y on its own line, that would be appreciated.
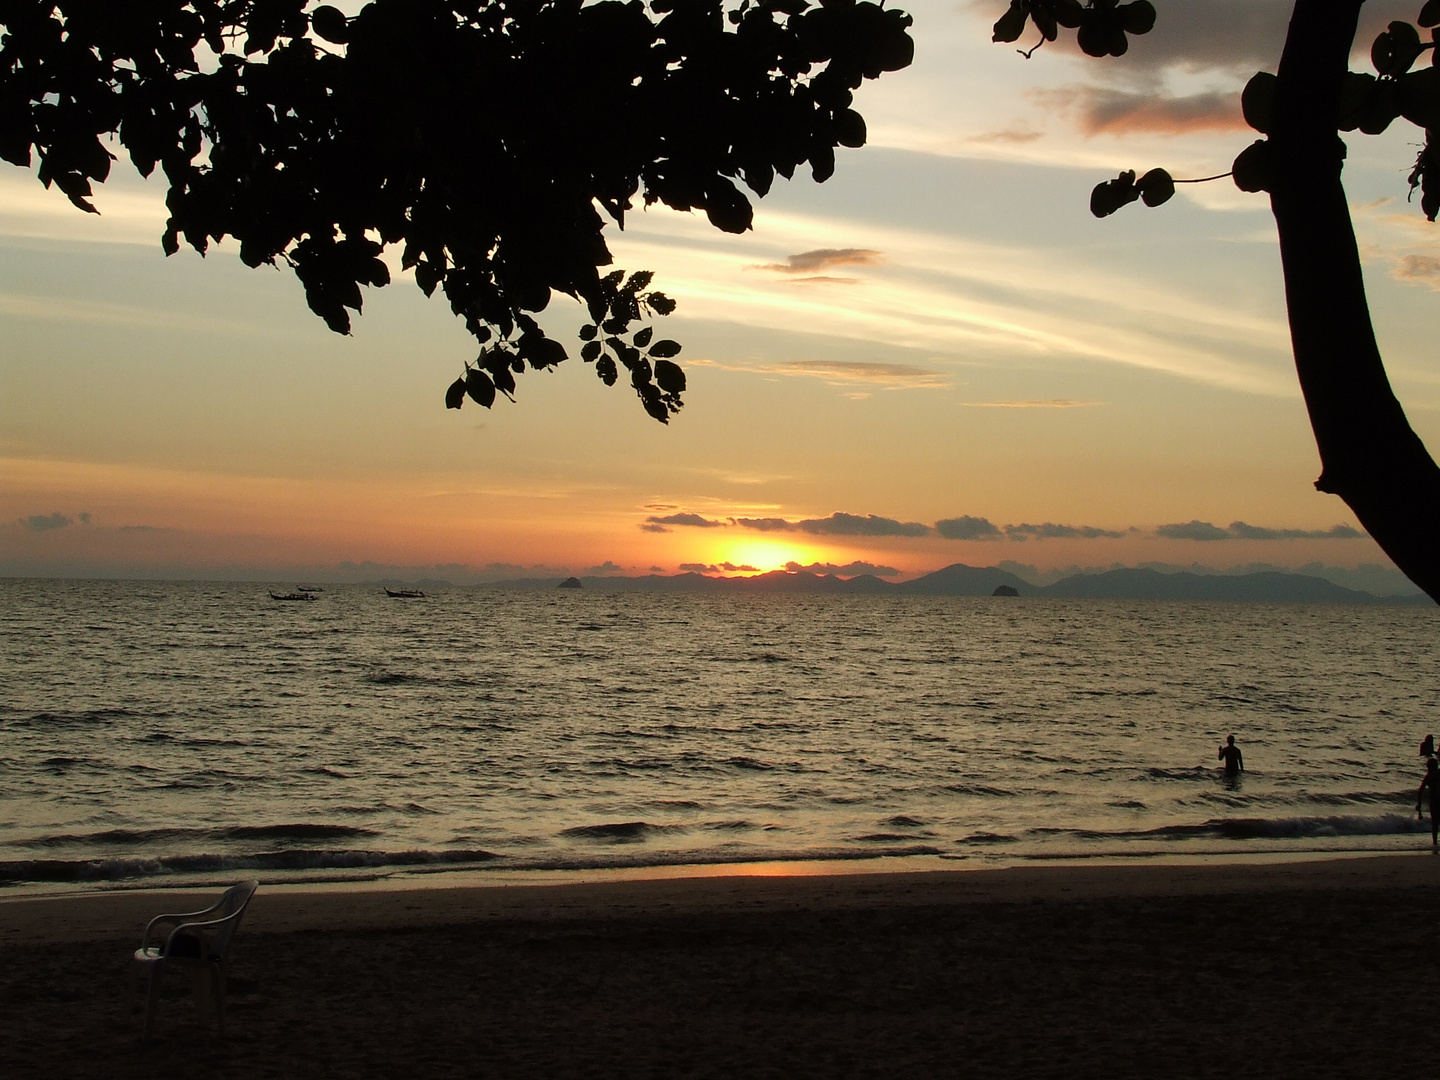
column 196, row 945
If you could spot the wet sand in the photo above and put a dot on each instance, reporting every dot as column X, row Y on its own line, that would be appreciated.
column 1321, row 968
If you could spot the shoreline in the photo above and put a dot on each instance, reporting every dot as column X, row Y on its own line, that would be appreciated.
column 501, row 871
column 468, row 897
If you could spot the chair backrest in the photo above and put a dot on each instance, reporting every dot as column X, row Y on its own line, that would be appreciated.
column 233, row 902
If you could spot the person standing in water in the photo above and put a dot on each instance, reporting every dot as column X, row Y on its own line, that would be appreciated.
column 1431, row 781
column 1234, row 760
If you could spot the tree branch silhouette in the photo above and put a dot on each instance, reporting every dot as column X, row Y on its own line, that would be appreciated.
column 1370, row 456
column 483, row 138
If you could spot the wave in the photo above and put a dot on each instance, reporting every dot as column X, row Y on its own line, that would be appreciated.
column 137, row 837
column 624, row 832
column 65, row 719
column 343, row 863
column 1288, row 828
column 120, row 869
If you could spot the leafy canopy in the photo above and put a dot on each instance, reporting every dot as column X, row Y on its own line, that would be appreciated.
column 484, row 138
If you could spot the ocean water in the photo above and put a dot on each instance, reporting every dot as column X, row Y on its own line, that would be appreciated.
column 176, row 731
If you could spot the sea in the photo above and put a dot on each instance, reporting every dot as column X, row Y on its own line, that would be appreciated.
column 167, row 733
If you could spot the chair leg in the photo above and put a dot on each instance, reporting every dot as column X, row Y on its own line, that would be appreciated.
column 135, row 987
column 152, row 999
column 200, row 991
column 217, row 991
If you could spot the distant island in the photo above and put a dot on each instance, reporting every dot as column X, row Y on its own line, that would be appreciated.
column 961, row 580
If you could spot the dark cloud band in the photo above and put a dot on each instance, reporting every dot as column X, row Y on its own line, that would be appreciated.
column 1239, row 530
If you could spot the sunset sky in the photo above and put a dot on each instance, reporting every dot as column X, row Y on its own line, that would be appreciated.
column 937, row 356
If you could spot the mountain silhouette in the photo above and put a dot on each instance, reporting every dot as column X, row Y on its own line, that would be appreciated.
column 959, row 579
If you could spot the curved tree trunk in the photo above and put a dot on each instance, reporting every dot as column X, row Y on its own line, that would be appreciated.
column 1369, row 455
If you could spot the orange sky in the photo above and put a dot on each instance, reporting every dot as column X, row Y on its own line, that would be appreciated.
column 941, row 331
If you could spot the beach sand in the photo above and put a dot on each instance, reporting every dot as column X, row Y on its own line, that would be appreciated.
column 1318, row 969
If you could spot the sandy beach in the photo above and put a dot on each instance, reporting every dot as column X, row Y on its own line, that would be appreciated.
column 1322, row 968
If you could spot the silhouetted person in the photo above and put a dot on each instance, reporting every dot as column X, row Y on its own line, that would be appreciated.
column 1234, row 760
column 1427, row 748
column 1432, row 781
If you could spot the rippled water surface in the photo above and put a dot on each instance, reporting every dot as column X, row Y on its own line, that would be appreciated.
column 166, row 729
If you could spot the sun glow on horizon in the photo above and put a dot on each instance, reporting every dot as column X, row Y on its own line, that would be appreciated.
column 764, row 555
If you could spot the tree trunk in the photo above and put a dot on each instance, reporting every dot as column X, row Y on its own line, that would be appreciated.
column 1369, row 455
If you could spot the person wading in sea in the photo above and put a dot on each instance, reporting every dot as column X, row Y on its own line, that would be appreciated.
column 1234, row 760
column 1432, row 781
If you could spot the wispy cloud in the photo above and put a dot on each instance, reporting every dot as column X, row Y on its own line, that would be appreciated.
column 846, row 372
column 812, row 262
column 1424, row 269
column 718, row 568
column 67, row 309
column 970, row 300
column 1106, row 111
column 1051, row 403
column 692, row 520
column 1012, row 137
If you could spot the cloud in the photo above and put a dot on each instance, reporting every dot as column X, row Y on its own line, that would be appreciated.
column 718, row 568
column 46, row 522
column 1242, row 531
column 1008, row 137
column 869, row 525
column 765, row 524
column 845, row 371
column 657, row 569
column 852, row 569
column 979, row 528
column 1192, row 530
column 692, row 520
column 810, row 262
column 607, row 567
column 967, row 528
column 1228, row 35
column 651, row 527
column 1050, row 531
column 838, row 524
column 1239, row 530
column 961, row 296
column 1422, row 268
column 1234, row 36
column 1119, row 112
